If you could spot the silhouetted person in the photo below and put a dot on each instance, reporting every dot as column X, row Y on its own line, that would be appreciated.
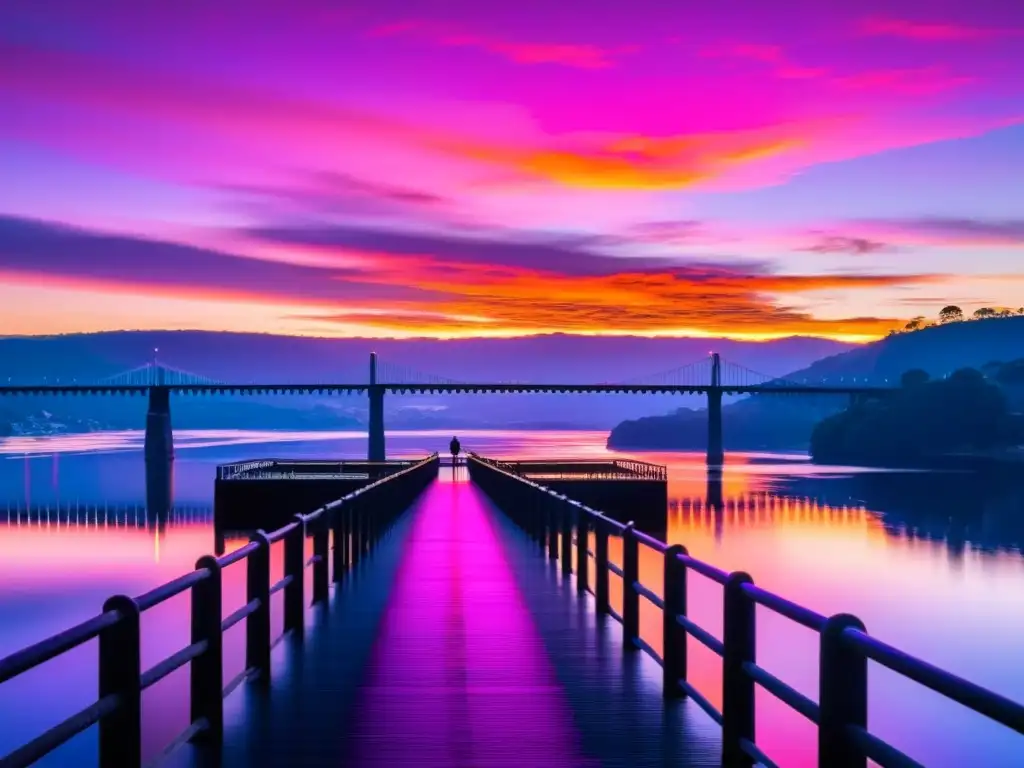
column 454, row 447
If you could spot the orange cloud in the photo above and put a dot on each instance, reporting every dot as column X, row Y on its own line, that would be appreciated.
column 641, row 162
column 933, row 32
column 490, row 299
column 579, row 55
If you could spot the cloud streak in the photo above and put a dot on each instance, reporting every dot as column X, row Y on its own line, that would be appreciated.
column 856, row 246
column 577, row 55
column 907, row 29
column 429, row 285
column 947, row 231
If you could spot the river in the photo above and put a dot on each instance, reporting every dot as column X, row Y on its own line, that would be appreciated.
column 930, row 562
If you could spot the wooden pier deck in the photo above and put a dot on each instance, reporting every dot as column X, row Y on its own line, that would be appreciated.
column 455, row 645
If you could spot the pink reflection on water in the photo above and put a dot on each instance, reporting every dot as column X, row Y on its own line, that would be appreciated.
column 459, row 675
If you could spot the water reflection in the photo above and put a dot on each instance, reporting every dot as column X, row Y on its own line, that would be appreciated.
column 930, row 562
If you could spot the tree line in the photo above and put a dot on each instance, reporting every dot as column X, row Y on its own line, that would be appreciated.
column 954, row 314
column 964, row 412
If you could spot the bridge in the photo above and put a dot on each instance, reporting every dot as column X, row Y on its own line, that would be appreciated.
column 485, row 621
column 711, row 377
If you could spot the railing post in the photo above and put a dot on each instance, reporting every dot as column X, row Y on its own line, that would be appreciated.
column 630, row 597
column 601, row 566
column 539, row 518
column 358, row 530
column 121, row 674
column 568, row 510
column 257, row 625
column 207, row 669
column 340, row 536
column 321, row 565
column 582, row 546
column 367, row 500
column 294, row 555
column 739, row 639
column 673, row 635
column 843, row 695
column 551, row 514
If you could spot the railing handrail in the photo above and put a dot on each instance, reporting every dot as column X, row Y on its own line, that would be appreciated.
column 613, row 467
column 846, row 647
column 121, row 614
column 236, row 469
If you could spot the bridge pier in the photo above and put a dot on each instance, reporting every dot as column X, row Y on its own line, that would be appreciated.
column 159, row 450
column 375, row 449
column 715, row 451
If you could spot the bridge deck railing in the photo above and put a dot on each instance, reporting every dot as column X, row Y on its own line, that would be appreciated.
column 342, row 532
column 564, row 527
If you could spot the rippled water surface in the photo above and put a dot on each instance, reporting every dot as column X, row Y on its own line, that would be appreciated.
column 930, row 562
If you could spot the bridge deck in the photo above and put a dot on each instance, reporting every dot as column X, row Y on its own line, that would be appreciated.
column 455, row 644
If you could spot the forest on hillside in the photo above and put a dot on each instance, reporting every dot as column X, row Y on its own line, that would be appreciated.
column 967, row 412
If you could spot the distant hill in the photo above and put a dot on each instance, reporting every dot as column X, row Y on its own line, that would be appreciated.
column 235, row 357
column 786, row 422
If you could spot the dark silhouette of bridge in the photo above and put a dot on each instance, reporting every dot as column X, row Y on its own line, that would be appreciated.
column 711, row 377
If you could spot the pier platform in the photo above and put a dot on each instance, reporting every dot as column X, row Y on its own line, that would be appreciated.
column 267, row 493
column 623, row 489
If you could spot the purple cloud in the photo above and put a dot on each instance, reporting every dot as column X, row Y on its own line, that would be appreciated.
column 536, row 252
column 856, row 246
column 33, row 247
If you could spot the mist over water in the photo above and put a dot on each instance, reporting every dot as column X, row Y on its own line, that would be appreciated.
column 930, row 562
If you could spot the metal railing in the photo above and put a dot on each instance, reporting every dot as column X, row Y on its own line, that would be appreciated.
column 231, row 471
column 560, row 524
column 567, row 469
column 272, row 468
column 343, row 532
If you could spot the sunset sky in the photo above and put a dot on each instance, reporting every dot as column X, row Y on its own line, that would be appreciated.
column 461, row 168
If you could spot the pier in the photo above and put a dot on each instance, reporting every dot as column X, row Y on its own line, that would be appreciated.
column 625, row 489
column 264, row 493
column 477, row 619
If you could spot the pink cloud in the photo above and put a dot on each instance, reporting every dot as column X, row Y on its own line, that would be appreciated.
column 918, row 81
column 579, row 55
column 933, row 32
column 267, row 133
column 774, row 55
column 921, row 81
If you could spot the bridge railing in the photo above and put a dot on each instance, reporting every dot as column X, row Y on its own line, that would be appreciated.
column 342, row 532
column 239, row 469
column 264, row 468
column 642, row 469
column 587, row 468
column 564, row 528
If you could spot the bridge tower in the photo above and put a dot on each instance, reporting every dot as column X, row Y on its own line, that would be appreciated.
column 716, row 452
column 376, row 450
column 159, row 447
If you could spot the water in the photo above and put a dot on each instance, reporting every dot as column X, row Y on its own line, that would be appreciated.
column 930, row 562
